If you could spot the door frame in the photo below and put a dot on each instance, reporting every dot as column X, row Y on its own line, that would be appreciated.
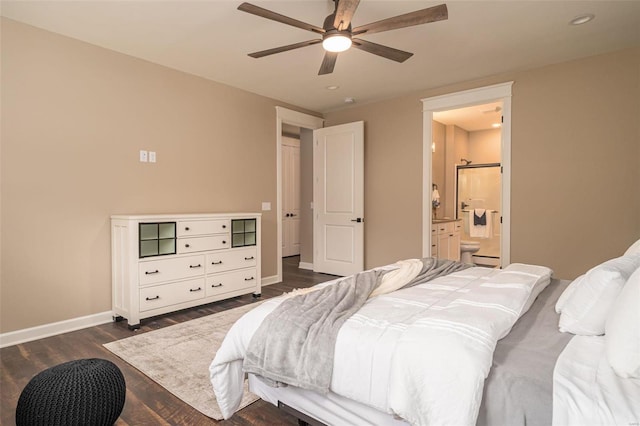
column 497, row 92
column 294, row 118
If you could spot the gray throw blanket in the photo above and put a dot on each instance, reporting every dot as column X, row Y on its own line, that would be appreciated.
column 295, row 343
column 434, row 268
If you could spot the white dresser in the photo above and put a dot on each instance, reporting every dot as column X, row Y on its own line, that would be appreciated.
column 164, row 263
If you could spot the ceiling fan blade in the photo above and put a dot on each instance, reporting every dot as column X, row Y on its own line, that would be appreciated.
column 431, row 14
column 344, row 13
column 328, row 63
column 265, row 13
column 380, row 50
column 268, row 52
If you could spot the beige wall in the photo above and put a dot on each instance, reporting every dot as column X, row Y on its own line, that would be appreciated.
column 484, row 146
column 575, row 194
column 438, row 166
column 457, row 148
column 74, row 117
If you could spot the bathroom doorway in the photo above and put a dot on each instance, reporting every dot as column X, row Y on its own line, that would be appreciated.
column 452, row 142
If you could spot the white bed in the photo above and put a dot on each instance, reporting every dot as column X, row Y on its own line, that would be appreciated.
column 420, row 353
column 596, row 380
column 586, row 390
column 462, row 349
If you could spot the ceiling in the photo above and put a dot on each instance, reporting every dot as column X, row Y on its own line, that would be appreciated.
column 211, row 39
column 473, row 118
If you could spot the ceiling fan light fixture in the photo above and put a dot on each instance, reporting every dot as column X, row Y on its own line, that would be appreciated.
column 338, row 42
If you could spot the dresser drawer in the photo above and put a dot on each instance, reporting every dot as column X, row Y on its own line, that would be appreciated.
column 163, row 295
column 195, row 244
column 229, row 260
column 203, row 227
column 231, row 281
column 156, row 271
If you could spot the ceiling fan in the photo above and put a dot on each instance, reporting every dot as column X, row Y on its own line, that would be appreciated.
column 338, row 35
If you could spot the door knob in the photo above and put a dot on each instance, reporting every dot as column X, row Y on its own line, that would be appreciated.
column 358, row 219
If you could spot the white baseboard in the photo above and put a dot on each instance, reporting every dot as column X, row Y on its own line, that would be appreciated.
column 306, row 265
column 270, row 280
column 46, row 330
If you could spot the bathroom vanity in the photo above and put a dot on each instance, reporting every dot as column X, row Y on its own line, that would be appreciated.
column 445, row 238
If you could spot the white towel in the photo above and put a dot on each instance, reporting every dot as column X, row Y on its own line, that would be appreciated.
column 481, row 231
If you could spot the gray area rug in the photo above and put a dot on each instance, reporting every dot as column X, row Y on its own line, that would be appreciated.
column 178, row 357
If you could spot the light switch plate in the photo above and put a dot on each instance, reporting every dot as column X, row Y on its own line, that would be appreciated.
column 266, row 206
column 143, row 156
column 152, row 156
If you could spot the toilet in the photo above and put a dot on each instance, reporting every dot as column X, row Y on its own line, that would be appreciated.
column 467, row 249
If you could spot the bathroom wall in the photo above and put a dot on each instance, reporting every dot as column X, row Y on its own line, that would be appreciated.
column 437, row 161
column 484, row 146
column 457, row 147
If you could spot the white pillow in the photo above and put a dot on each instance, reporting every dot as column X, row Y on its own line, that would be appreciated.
column 622, row 340
column 633, row 249
column 566, row 294
column 586, row 309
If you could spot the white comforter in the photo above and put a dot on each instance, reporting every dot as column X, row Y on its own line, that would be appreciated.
column 421, row 353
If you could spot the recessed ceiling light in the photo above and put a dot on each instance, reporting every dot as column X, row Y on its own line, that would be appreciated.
column 582, row 19
column 349, row 100
column 332, row 87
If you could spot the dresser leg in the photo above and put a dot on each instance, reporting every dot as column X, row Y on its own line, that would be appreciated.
column 133, row 327
column 256, row 295
column 117, row 318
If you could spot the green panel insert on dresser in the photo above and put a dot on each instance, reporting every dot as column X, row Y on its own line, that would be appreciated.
column 157, row 238
column 243, row 232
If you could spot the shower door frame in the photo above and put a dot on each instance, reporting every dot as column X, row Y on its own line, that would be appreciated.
column 497, row 92
column 458, row 209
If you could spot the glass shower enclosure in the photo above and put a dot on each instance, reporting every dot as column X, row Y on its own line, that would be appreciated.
column 478, row 186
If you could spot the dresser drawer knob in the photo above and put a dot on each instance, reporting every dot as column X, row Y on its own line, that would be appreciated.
column 186, row 228
column 151, row 272
column 217, row 263
column 224, row 242
column 193, row 290
column 249, row 279
column 216, row 285
column 187, row 245
column 152, row 298
column 224, row 226
column 195, row 266
column 249, row 258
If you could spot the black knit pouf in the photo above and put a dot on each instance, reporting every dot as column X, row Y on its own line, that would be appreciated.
column 89, row 392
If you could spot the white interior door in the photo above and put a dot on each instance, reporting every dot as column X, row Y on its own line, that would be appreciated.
column 290, row 197
column 338, row 197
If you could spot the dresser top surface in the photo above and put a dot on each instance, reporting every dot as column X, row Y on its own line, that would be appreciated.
column 185, row 216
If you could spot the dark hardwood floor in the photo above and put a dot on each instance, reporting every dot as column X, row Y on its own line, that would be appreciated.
column 147, row 403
